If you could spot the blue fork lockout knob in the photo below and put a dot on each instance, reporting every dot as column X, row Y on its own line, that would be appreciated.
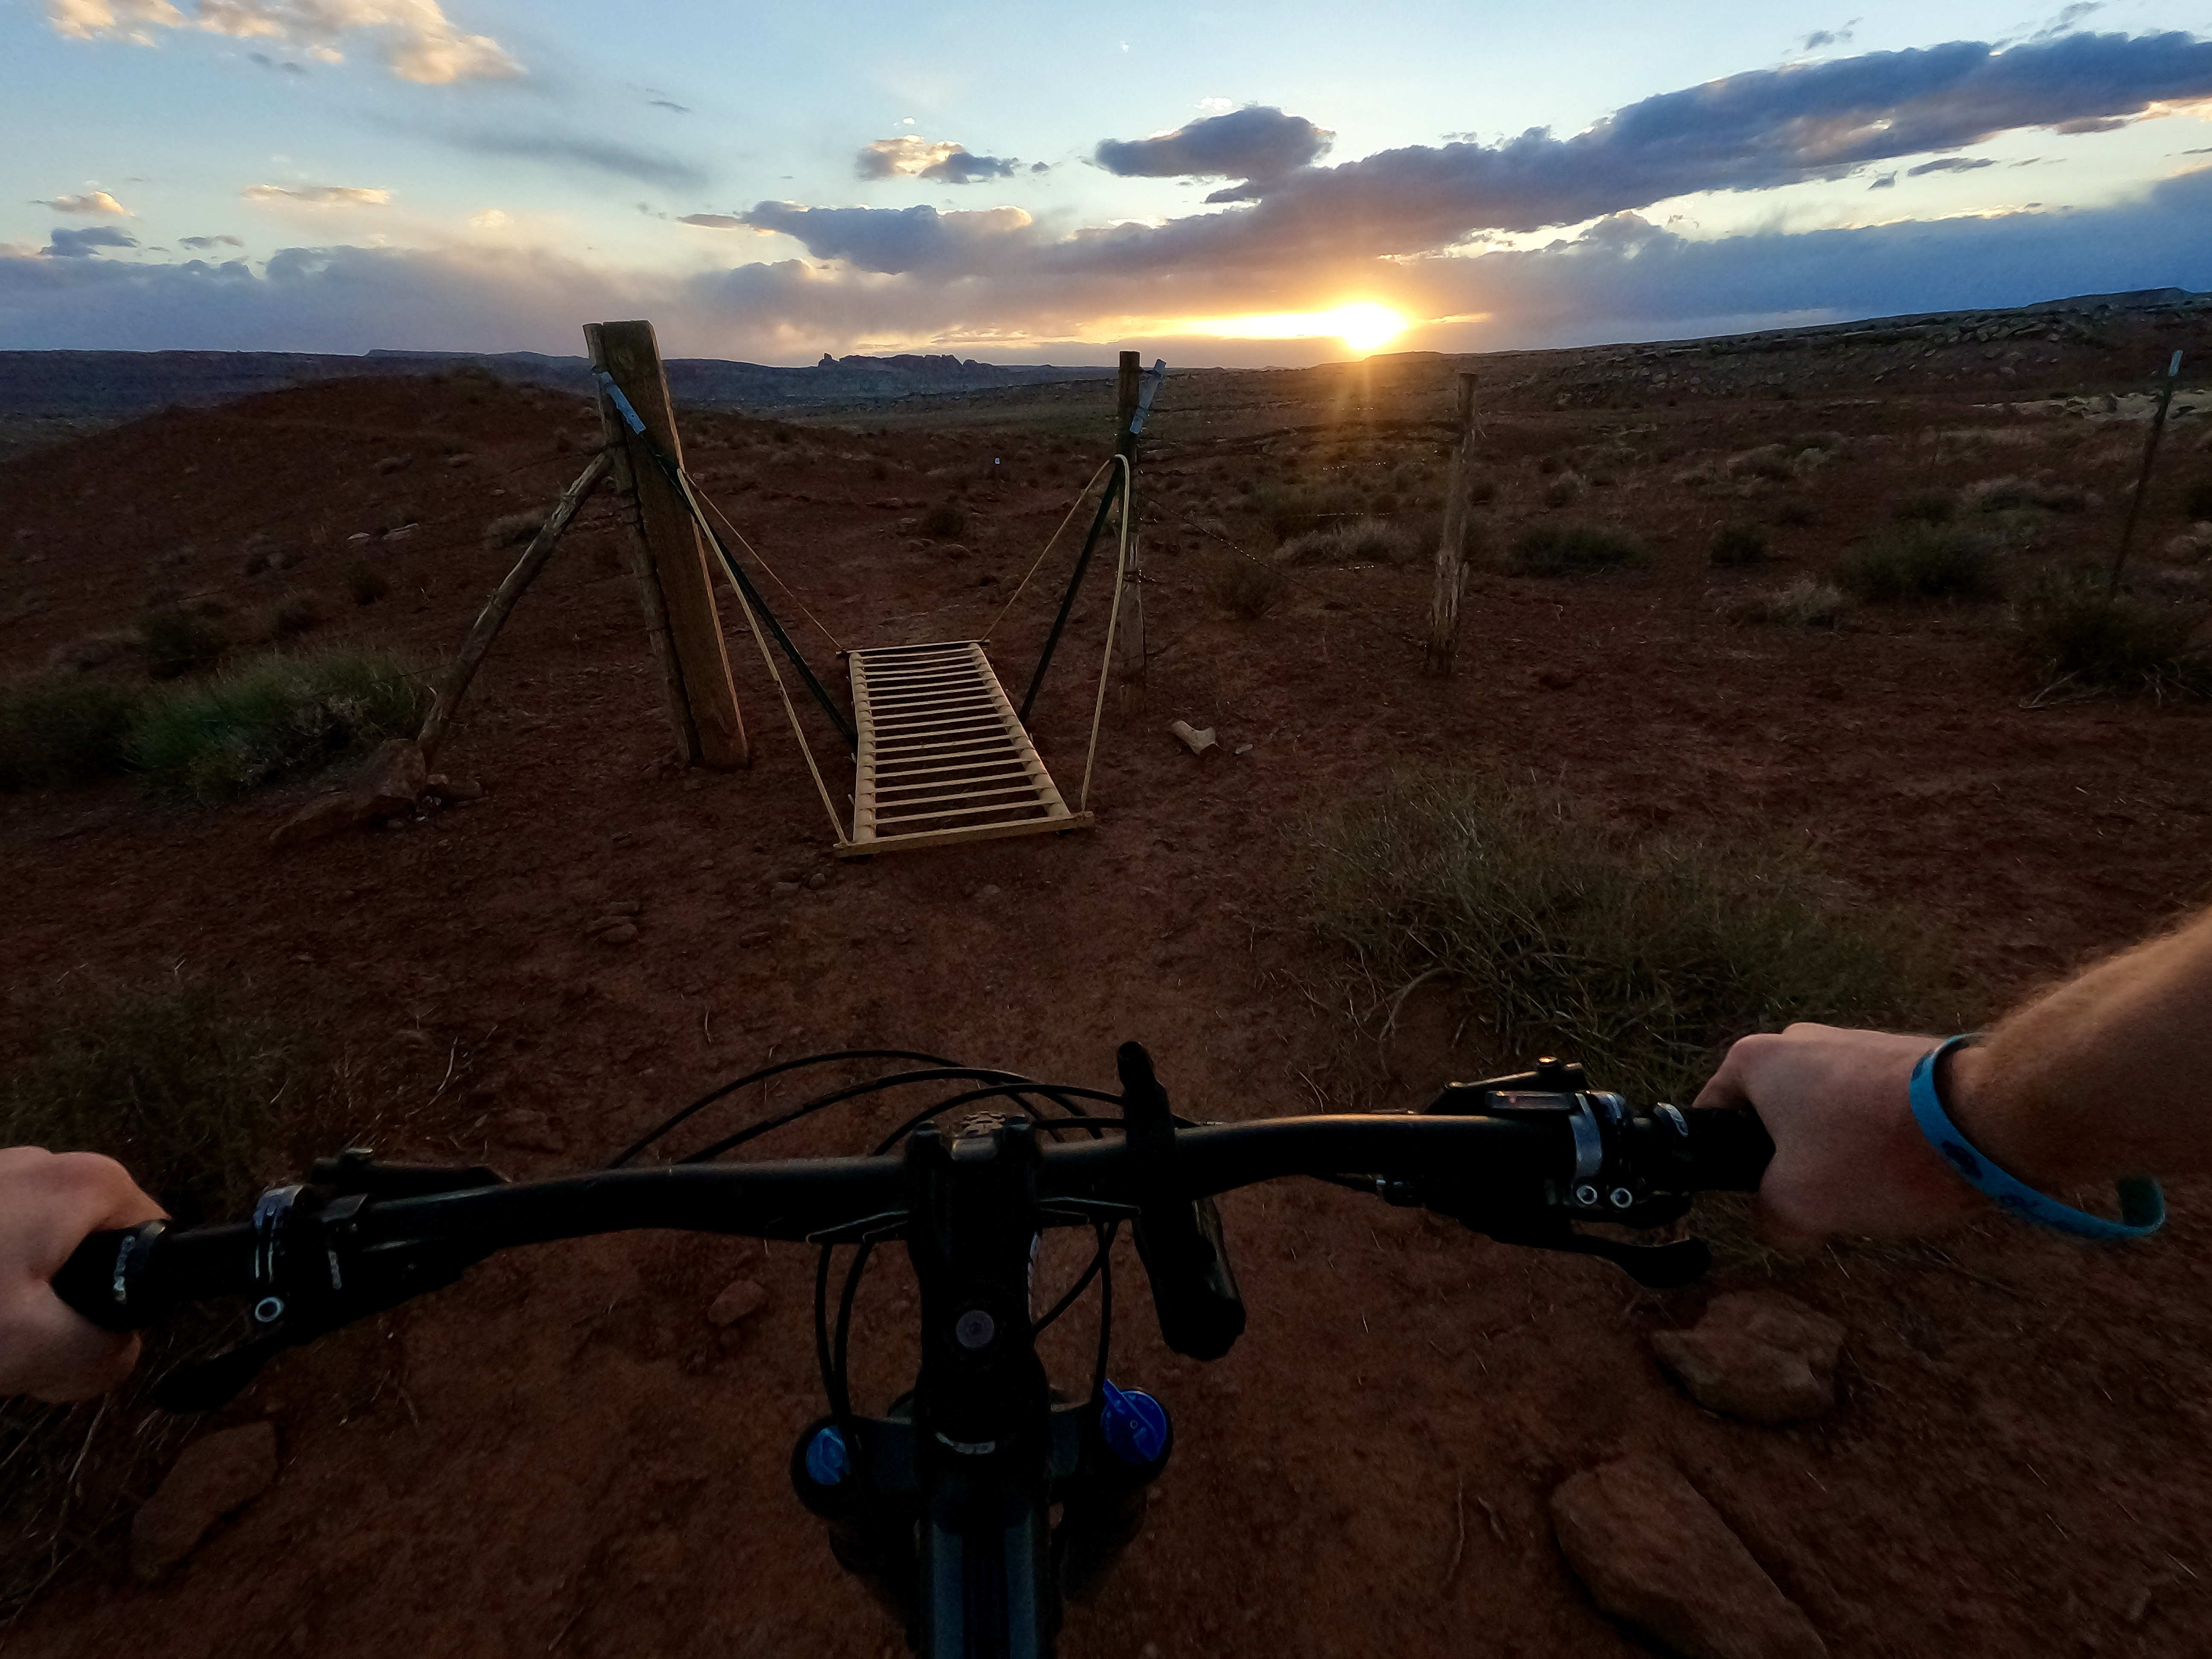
column 1133, row 1425
column 828, row 1462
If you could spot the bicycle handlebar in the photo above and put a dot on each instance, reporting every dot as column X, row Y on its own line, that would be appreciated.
column 1532, row 1162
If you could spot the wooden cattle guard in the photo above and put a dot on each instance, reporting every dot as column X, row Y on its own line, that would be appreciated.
column 629, row 353
column 1451, row 575
column 942, row 757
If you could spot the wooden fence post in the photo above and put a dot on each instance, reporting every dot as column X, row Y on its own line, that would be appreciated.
column 1130, row 597
column 1444, row 608
column 693, row 629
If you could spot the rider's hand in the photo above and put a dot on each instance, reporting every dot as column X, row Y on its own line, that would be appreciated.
column 49, row 1202
column 1848, row 1157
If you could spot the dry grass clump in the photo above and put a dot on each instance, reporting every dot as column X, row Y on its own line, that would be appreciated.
column 943, row 522
column 67, row 730
column 1565, row 489
column 2012, row 494
column 91, row 651
column 1291, row 511
column 2066, row 631
column 279, row 715
column 1644, row 961
column 1925, row 507
column 1739, row 544
column 1916, row 560
column 365, row 583
column 1573, row 550
column 512, row 529
column 1356, row 541
column 1249, row 587
column 1808, row 602
column 182, row 639
column 291, row 615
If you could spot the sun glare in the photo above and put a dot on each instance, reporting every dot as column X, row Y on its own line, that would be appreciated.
column 1364, row 326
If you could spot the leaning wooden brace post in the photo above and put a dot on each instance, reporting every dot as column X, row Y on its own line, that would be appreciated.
column 1444, row 608
column 1130, row 629
column 2143, row 479
column 629, row 353
column 455, row 684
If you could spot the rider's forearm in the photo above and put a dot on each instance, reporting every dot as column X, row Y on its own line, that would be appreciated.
column 2104, row 1076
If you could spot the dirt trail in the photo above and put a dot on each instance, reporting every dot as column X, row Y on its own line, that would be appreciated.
column 560, row 1455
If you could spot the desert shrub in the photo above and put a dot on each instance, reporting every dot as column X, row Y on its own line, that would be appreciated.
column 1920, row 560
column 2197, row 502
column 1925, row 507
column 1830, row 442
column 2066, row 628
column 2008, row 495
column 1289, row 512
column 1770, row 461
column 1355, row 541
column 1481, row 489
column 1572, row 550
column 278, row 715
column 1795, row 512
column 1739, row 544
column 62, row 731
column 293, row 614
column 179, row 640
column 1565, row 489
column 512, row 529
column 1249, row 587
column 944, row 521
column 90, row 651
column 1808, row 602
column 366, row 582
column 1642, row 961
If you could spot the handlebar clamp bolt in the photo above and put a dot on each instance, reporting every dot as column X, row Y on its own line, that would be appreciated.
column 1586, row 1195
column 974, row 1329
column 1621, row 1197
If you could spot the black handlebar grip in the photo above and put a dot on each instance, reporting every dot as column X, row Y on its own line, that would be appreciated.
column 101, row 1275
column 1729, row 1148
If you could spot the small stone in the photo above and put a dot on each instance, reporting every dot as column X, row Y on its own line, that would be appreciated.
column 818, row 881
column 529, row 1131
column 622, row 932
column 1653, row 1553
column 753, row 938
column 214, row 1477
column 622, row 907
column 392, row 780
column 741, row 1298
column 782, row 889
column 1757, row 1355
column 457, row 790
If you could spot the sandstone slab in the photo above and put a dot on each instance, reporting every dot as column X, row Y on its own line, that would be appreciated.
column 1757, row 1355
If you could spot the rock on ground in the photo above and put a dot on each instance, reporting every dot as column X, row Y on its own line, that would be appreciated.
column 1757, row 1355
column 216, row 1475
column 387, row 786
column 741, row 1298
column 1653, row 1553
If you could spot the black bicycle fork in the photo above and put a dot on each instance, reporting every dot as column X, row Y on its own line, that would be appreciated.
column 942, row 1507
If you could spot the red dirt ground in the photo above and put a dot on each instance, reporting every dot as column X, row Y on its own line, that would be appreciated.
column 559, row 1457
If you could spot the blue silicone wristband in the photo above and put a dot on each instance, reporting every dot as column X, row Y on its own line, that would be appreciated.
column 2142, row 1206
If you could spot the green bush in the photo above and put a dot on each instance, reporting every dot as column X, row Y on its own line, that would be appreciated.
column 63, row 731
column 944, row 521
column 179, row 641
column 1642, row 962
column 1573, row 550
column 1916, row 560
column 1249, row 587
column 275, row 715
column 1736, row 544
column 2066, row 629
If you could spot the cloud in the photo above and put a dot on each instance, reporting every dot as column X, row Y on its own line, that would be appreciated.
column 712, row 221
column 1820, row 38
column 81, row 243
column 92, row 201
column 415, row 38
column 1886, row 181
column 316, row 196
column 892, row 240
column 208, row 241
column 668, row 103
column 909, row 157
column 1258, row 144
column 1949, row 164
column 570, row 149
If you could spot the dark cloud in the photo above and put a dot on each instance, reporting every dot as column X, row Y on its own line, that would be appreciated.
column 712, row 221
column 1820, row 38
column 1040, row 167
column 570, row 151
column 2069, row 17
column 1258, row 144
column 1887, row 181
column 669, row 103
column 911, row 157
column 894, row 240
column 1949, row 164
column 268, row 63
column 83, row 244
column 205, row 242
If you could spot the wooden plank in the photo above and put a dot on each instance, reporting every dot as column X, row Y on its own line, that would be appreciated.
column 1032, row 805
column 922, row 839
column 629, row 353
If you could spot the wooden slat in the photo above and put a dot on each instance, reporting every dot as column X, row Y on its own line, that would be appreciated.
column 942, row 758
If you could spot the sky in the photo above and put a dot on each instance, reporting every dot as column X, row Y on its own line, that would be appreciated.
column 1232, row 183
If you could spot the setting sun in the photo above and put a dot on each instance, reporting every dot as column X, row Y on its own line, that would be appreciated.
column 1364, row 326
